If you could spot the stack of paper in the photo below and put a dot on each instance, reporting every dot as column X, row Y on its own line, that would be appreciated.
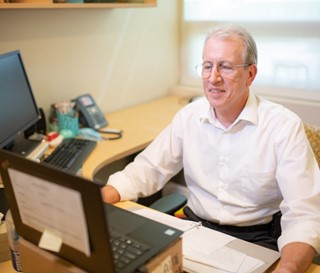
column 206, row 250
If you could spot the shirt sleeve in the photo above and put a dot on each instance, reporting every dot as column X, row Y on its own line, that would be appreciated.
column 299, row 181
column 153, row 167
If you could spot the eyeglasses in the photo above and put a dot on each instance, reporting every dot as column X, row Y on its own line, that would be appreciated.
column 224, row 68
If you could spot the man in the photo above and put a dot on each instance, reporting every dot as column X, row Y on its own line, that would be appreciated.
column 244, row 158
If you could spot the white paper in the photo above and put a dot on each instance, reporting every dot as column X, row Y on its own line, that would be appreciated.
column 183, row 225
column 204, row 249
column 207, row 246
column 223, row 258
column 51, row 240
column 204, row 240
column 47, row 206
column 248, row 265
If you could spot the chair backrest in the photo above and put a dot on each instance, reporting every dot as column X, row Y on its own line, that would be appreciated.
column 313, row 134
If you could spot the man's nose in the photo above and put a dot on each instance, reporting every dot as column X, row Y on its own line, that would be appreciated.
column 214, row 74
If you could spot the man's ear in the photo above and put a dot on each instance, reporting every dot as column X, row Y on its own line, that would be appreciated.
column 252, row 72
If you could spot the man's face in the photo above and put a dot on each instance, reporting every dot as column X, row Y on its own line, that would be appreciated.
column 227, row 92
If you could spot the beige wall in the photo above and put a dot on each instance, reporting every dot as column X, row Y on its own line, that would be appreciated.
column 120, row 56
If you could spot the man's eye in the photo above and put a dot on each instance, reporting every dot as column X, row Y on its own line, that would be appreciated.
column 226, row 66
column 207, row 67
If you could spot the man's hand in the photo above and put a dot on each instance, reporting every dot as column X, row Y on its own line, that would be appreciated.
column 110, row 194
column 295, row 258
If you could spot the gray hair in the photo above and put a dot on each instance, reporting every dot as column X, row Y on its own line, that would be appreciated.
column 224, row 31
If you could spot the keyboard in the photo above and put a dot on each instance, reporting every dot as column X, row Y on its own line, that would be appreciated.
column 125, row 250
column 70, row 154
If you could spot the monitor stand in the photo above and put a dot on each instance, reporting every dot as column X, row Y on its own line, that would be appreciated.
column 22, row 145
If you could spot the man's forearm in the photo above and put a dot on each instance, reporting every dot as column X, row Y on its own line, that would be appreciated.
column 295, row 258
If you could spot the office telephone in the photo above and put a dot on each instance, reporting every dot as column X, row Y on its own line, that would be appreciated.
column 89, row 113
column 93, row 120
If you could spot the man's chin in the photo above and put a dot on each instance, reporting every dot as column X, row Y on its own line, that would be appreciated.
column 215, row 99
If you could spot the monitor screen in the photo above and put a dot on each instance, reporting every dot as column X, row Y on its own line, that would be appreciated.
column 18, row 109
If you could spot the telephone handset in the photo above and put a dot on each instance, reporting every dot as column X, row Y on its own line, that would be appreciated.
column 89, row 113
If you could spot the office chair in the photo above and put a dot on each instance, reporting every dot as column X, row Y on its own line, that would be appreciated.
column 170, row 203
column 174, row 196
column 313, row 134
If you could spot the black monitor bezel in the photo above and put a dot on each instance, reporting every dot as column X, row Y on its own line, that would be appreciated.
column 12, row 136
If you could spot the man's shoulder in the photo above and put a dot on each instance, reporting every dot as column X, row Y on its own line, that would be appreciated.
column 275, row 110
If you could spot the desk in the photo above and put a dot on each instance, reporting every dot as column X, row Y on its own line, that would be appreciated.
column 141, row 124
column 5, row 267
column 129, row 205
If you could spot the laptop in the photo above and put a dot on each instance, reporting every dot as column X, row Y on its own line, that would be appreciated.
column 71, row 211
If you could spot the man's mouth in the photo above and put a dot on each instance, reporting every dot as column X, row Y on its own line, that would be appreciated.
column 214, row 90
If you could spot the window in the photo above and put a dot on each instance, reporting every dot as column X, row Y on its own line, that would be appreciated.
column 287, row 36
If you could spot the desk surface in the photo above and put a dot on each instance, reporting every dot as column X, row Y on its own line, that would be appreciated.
column 6, row 267
column 128, row 204
column 141, row 124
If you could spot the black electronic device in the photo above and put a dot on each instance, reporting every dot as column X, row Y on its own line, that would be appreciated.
column 40, row 127
column 89, row 113
column 70, row 154
column 66, row 197
column 18, row 108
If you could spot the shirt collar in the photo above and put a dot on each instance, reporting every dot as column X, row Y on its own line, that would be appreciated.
column 249, row 112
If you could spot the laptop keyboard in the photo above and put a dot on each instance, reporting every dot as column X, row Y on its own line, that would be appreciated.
column 125, row 250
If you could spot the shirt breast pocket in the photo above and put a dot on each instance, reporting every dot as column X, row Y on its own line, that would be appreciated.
column 259, row 187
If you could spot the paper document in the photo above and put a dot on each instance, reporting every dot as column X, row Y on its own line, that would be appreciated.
column 45, row 206
column 248, row 265
column 207, row 246
column 166, row 219
column 204, row 249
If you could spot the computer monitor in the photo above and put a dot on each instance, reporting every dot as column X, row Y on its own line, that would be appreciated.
column 18, row 108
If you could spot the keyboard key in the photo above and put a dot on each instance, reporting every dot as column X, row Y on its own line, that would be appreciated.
column 125, row 250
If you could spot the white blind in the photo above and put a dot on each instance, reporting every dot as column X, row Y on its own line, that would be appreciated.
column 252, row 10
column 287, row 35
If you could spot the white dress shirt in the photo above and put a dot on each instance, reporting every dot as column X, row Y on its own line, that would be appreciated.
column 239, row 175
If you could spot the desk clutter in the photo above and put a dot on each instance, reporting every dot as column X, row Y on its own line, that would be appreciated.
column 206, row 250
column 80, row 117
column 175, row 257
column 67, row 118
column 75, row 127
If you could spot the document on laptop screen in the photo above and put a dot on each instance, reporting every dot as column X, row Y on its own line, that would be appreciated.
column 55, row 211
